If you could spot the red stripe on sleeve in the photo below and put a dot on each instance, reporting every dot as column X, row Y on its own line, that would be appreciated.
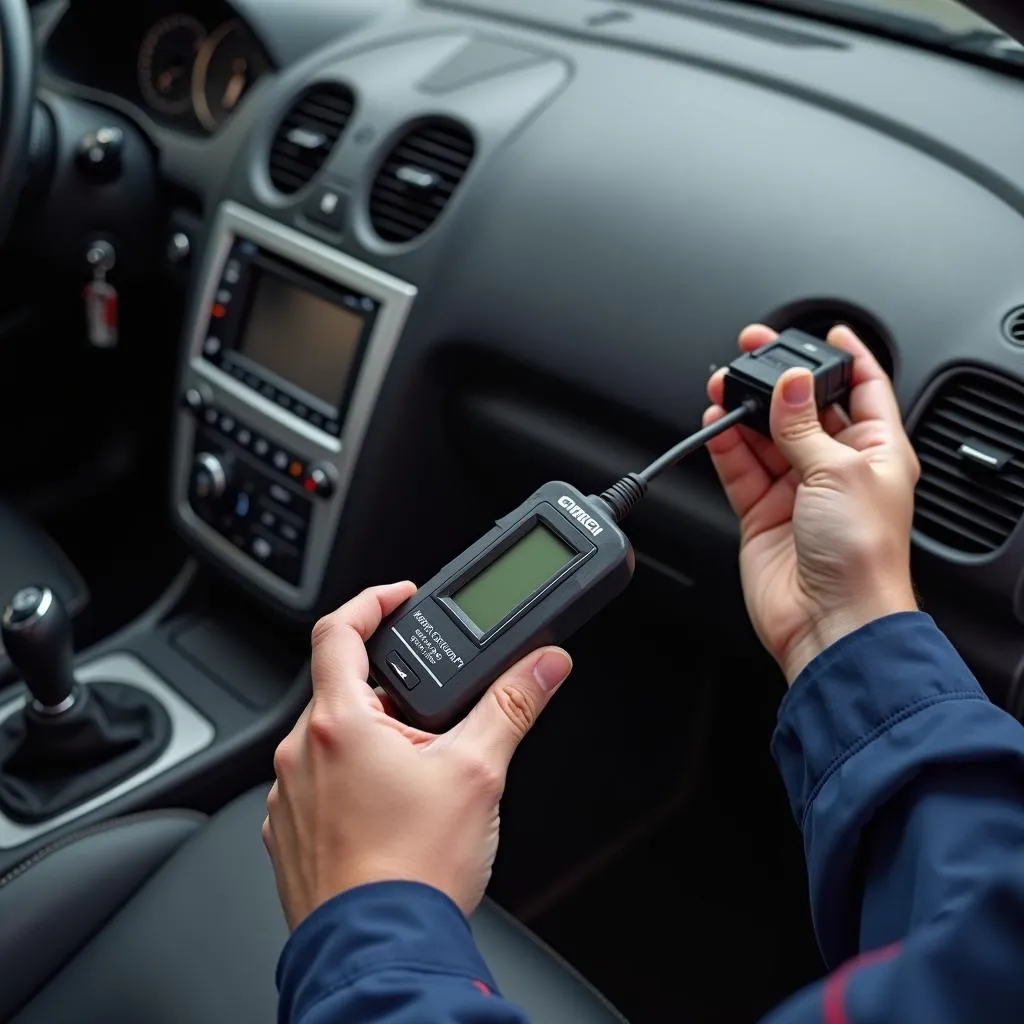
column 834, row 999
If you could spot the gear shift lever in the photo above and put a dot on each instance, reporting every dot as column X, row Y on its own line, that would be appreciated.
column 70, row 741
column 36, row 633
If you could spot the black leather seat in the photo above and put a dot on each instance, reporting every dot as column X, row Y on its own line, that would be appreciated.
column 172, row 918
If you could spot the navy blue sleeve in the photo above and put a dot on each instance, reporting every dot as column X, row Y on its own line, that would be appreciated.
column 390, row 953
column 908, row 785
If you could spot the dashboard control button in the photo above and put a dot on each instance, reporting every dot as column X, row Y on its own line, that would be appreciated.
column 194, row 399
column 281, row 495
column 211, row 346
column 327, row 206
column 281, row 461
column 179, row 246
column 99, row 155
column 224, row 296
column 261, row 447
column 209, row 477
column 227, row 425
column 268, row 519
column 211, row 416
column 232, row 272
column 268, row 391
column 332, row 427
column 300, row 410
column 243, row 437
column 316, row 419
column 284, row 401
column 321, row 480
column 261, row 549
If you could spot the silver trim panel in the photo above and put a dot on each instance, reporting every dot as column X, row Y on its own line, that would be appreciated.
column 190, row 733
column 276, row 424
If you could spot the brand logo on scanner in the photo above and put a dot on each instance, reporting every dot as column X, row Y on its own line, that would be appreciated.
column 581, row 515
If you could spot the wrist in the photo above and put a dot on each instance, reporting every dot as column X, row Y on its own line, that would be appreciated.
column 829, row 626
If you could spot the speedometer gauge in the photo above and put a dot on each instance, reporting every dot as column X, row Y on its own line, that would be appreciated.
column 166, row 58
column 228, row 63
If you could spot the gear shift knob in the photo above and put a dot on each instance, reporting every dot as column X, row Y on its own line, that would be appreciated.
column 36, row 632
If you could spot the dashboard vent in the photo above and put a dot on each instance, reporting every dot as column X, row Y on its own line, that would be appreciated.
column 308, row 133
column 418, row 178
column 970, row 442
column 1014, row 327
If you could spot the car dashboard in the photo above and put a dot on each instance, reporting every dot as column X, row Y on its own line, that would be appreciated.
column 552, row 220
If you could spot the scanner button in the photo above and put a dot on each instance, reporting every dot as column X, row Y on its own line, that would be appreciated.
column 401, row 670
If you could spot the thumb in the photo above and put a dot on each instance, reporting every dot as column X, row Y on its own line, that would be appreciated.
column 796, row 428
column 509, row 709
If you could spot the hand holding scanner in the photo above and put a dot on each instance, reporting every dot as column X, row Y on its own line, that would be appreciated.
column 554, row 562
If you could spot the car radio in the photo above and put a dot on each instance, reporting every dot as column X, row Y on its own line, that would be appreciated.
column 287, row 352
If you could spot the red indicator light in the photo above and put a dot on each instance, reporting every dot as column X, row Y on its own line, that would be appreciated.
column 219, row 311
column 310, row 484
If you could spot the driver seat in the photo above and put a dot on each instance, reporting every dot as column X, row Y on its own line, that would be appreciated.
column 169, row 917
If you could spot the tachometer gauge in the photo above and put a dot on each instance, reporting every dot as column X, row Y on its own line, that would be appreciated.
column 228, row 63
column 166, row 58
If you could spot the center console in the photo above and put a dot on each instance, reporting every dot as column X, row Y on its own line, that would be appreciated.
column 287, row 352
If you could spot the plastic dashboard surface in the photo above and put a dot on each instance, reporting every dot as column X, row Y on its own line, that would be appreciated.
column 642, row 188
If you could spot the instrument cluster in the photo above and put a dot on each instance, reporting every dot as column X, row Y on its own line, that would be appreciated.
column 187, row 71
column 188, row 64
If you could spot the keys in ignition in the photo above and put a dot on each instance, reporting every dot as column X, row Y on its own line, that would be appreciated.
column 101, row 298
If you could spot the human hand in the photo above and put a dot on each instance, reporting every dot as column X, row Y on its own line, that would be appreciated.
column 825, row 509
column 361, row 797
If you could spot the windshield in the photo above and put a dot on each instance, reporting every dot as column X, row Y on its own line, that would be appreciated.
column 942, row 23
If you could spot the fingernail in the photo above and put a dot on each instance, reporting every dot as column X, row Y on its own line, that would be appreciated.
column 797, row 390
column 551, row 669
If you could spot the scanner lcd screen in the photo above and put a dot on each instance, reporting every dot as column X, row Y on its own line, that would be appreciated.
column 513, row 576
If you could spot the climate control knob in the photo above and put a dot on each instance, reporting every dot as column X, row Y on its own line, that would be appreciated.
column 209, row 477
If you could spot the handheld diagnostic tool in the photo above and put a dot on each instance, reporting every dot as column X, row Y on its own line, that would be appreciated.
column 551, row 564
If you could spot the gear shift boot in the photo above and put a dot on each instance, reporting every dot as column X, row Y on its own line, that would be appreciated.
column 69, row 742
column 49, row 764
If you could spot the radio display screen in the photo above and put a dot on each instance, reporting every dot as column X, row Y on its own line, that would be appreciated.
column 306, row 340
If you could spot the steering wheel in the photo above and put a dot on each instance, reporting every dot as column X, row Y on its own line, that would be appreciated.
column 17, row 103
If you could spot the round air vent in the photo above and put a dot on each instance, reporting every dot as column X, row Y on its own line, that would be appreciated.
column 818, row 317
column 1013, row 327
column 418, row 178
column 308, row 133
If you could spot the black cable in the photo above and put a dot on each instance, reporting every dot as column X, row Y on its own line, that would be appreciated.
column 695, row 441
column 622, row 496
